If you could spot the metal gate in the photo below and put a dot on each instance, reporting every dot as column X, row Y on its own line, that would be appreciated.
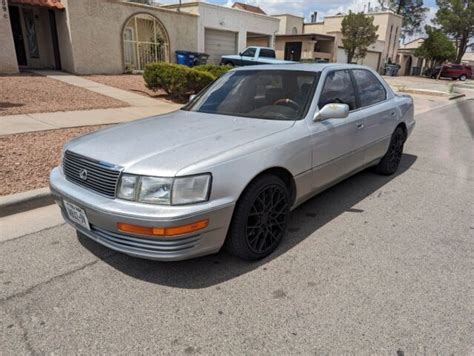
column 144, row 41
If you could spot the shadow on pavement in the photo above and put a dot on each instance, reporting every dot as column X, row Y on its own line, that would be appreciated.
column 466, row 110
column 210, row 270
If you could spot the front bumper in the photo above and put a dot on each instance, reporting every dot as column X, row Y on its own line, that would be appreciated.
column 104, row 214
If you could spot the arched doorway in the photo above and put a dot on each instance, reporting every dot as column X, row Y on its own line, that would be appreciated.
column 145, row 40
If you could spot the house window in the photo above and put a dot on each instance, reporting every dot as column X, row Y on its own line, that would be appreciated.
column 294, row 31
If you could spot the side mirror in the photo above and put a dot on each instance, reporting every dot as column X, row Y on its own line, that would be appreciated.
column 191, row 97
column 332, row 111
column 240, row 54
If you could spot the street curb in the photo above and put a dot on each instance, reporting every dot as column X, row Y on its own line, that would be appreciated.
column 20, row 202
column 423, row 92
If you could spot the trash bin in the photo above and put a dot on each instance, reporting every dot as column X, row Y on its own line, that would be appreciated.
column 186, row 58
column 391, row 69
column 416, row 71
column 202, row 58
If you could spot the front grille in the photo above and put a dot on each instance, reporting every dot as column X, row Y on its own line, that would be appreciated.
column 98, row 176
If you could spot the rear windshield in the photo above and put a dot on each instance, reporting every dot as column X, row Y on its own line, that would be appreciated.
column 260, row 94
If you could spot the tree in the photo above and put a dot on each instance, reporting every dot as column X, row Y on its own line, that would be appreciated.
column 413, row 12
column 358, row 33
column 436, row 48
column 456, row 19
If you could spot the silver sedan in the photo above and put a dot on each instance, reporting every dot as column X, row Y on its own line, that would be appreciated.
column 227, row 169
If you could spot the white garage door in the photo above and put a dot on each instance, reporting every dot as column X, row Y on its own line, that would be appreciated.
column 219, row 43
column 371, row 60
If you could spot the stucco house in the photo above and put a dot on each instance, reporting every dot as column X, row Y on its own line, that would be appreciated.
column 295, row 42
column 113, row 36
column 304, row 40
column 91, row 36
column 406, row 59
column 224, row 30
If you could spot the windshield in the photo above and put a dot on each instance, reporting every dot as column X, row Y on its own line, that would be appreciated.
column 261, row 94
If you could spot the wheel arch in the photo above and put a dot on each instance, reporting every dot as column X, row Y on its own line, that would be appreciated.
column 403, row 126
column 282, row 173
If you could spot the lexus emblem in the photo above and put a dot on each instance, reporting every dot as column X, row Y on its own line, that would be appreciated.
column 83, row 174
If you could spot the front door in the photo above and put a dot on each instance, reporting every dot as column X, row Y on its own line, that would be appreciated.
column 293, row 51
column 18, row 35
column 337, row 143
column 247, row 58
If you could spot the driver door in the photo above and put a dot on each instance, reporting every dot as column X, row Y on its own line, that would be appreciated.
column 337, row 143
column 248, row 56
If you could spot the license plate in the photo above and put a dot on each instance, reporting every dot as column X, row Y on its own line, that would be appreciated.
column 76, row 214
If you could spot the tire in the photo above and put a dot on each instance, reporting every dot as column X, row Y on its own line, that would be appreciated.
column 463, row 77
column 260, row 219
column 390, row 162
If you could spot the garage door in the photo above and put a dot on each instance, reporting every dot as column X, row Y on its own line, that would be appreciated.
column 371, row 60
column 219, row 43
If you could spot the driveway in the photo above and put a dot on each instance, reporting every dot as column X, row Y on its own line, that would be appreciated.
column 380, row 265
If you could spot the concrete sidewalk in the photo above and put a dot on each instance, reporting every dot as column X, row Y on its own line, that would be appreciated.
column 14, row 124
column 140, row 106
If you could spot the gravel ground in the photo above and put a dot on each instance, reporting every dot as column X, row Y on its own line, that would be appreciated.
column 131, row 82
column 28, row 93
column 26, row 159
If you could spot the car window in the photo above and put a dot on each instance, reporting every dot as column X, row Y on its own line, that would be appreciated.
column 249, row 52
column 267, row 53
column 338, row 88
column 260, row 94
column 371, row 90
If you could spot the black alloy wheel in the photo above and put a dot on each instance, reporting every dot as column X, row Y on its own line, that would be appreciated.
column 390, row 162
column 260, row 219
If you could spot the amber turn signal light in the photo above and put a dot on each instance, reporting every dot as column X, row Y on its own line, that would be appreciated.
column 163, row 231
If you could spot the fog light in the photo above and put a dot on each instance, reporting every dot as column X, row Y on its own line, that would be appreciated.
column 163, row 231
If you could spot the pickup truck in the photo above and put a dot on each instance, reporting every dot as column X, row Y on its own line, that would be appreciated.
column 253, row 55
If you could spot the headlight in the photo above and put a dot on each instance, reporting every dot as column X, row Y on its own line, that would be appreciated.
column 192, row 189
column 155, row 190
column 165, row 191
column 127, row 187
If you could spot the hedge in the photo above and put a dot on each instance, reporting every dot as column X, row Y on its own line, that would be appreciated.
column 180, row 81
column 215, row 70
column 175, row 79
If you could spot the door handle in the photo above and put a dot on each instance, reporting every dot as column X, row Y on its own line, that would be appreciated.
column 360, row 126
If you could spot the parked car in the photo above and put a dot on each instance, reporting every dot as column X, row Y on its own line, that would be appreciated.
column 227, row 168
column 454, row 71
column 252, row 56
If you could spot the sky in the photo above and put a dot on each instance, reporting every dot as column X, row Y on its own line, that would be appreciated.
column 306, row 7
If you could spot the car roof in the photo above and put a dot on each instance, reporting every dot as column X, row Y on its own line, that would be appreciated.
column 309, row 67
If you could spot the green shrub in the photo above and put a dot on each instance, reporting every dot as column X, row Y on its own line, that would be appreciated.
column 215, row 70
column 177, row 80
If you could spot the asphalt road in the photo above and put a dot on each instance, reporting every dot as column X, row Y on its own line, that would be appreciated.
column 379, row 265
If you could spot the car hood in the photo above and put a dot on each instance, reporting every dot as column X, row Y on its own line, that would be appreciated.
column 163, row 145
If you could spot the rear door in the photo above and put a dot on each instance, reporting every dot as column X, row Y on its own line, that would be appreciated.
column 379, row 112
column 336, row 142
